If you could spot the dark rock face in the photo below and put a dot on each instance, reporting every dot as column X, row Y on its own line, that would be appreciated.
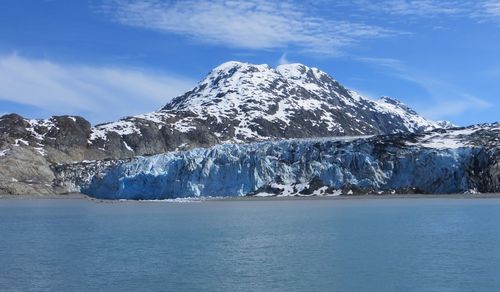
column 58, row 131
column 69, row 132
column 13, row 127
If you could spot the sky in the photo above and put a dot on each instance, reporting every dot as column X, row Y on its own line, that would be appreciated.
column 106, row 59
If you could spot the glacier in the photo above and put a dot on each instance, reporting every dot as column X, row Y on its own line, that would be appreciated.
column 326, row 166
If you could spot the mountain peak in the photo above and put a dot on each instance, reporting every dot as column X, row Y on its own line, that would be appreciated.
column 247, row 102
column 231, row 66
column 295, row 69
column 228, row 65
column 292, row 67
column 291, row 72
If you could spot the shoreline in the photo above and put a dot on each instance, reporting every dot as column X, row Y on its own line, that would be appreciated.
column 70, row 196
column 80, row 196
column 363, row 197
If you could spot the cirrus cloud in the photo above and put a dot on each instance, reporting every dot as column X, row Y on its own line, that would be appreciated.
column 445, row 100
column 250, row 24
column 478, row 10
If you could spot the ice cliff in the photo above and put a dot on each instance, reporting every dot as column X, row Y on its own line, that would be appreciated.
column 441, row 161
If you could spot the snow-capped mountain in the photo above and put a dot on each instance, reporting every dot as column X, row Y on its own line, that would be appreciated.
column 442, row 161
column 236, row 102
column 240, row 102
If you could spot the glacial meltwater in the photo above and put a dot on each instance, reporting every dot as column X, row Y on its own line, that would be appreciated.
column 424, row 244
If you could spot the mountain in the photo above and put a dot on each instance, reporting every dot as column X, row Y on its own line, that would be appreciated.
column 460, row 160
column 239, row 102
column 235, row 103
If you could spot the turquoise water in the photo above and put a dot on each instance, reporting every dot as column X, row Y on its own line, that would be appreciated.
column 302, row 245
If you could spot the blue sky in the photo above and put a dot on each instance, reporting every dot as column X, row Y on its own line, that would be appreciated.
column 108, row 59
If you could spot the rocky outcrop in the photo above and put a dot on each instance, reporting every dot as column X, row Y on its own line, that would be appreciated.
column 24, row 171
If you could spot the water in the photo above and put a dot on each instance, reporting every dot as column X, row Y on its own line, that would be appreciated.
column 304, row 245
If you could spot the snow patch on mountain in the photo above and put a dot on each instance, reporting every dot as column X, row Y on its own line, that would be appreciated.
column 122, row 127
column 452, row 139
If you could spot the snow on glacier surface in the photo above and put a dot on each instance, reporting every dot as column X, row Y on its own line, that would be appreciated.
column 237, row 170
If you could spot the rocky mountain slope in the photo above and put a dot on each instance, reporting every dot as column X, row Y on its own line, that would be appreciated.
column 235, row 103
column 441, row 161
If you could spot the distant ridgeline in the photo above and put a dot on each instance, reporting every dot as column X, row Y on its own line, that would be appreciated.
column 243, row 103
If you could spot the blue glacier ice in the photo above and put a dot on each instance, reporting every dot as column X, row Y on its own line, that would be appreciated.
column 332, row 166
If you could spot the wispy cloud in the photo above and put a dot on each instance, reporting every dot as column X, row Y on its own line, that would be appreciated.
column 393, row 64
column 250, row 24
column 102, row 93
column 422, row 8
column 479, row 10
column 283, row 60
column 457, row 105
column 446, row 100
column 492, row 8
